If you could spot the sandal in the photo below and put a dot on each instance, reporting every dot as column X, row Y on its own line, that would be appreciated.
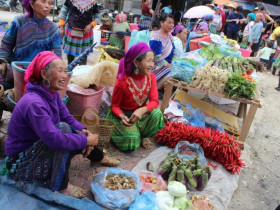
column 77, row 192
column 110, row 161
column 146, row 143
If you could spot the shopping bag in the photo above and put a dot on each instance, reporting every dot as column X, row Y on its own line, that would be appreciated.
column 139, row 36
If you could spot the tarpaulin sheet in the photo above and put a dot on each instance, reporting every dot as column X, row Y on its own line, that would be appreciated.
column 19, row 195
column 271, row 9
column 247, row 5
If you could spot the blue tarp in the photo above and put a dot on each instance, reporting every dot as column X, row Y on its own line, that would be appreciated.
column 247, row 5
column 19, row 195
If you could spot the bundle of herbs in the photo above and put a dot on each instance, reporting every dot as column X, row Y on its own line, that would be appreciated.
column 238, row 87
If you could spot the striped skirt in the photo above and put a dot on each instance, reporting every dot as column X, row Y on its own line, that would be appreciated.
column 129, row 138
column 76, row 45
column 145, row 22
column 40, row 163
column 164, row 71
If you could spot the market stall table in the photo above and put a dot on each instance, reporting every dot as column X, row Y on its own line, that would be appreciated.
column 242, row 111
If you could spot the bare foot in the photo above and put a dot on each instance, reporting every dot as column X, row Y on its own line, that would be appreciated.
column 74, row 191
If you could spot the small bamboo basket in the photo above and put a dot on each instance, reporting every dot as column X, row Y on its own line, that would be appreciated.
column 104, row 128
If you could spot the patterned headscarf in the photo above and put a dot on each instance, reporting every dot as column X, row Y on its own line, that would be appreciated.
column 177, row 29
column 208, row 17
column 202, row 26
column 131, row 54
column 34, row 69
column 27, row 7
column 261, row 17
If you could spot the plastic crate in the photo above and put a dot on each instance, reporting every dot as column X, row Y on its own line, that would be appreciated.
column 195, row 43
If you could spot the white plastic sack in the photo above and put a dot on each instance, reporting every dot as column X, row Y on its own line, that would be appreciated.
column 101, row 74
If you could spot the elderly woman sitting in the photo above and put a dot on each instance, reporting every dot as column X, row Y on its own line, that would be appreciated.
column 42, row 136
column 135, row 100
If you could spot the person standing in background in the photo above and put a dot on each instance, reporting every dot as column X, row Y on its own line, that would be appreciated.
column 250, row 23
column 146, row 17
column 230, row 9
column 234, row 21
column 255, row 34
column 78, row 32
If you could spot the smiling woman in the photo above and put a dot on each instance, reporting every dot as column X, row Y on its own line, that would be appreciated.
column 135, row 100
column 42, row 136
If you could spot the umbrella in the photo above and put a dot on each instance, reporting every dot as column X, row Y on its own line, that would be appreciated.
column 198, row 12
column 75, row 62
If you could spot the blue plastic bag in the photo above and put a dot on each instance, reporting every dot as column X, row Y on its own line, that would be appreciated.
column 227, row 51
column 195, row 117
column 146, row 200
column 139, row 36
column 114, row 199
column 212, row 122
column 195, row 149
column 182, row 70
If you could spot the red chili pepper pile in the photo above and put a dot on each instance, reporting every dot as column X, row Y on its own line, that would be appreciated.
column 217, row 146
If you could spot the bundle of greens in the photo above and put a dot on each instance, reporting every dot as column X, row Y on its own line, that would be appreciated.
column 238, row 87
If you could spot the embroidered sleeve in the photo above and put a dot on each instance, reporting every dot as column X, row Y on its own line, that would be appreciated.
column 9, row 41
column 156, row 46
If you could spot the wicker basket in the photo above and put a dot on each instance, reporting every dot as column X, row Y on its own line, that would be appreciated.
column 104, row 128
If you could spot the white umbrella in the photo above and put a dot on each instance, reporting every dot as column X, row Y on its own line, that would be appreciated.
column 198, row 12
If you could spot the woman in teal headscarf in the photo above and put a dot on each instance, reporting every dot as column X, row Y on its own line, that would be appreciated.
column 250, row 23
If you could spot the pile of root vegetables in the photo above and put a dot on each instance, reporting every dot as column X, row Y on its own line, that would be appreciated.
column 217, row 146
column 210, row 79
column 190, row 173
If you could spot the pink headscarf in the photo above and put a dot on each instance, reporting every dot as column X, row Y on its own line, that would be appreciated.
column 34, row 69
column 131, row 54
column 121, row 18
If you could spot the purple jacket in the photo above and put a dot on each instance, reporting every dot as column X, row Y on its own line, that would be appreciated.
column 35, row 117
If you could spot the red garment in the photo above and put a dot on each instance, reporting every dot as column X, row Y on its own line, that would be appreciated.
column 123, row 99
column 146, row 9
column 223, row 20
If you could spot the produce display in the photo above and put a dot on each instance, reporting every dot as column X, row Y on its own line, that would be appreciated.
column 120, row 182
column 217, row 146
column 239, row 86
column 190, row 61
column 215, row 57
column 210, row 79
column 190, row 173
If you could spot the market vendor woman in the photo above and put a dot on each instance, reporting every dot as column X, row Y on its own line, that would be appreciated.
column 135, row 100
column 42, row 135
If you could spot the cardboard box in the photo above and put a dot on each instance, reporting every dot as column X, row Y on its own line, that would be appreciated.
column 227, row 121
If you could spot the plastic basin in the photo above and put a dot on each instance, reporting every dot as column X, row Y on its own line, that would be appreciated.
column 19, row 68
column 245, row 52
column 78, row 102
column 65, row 100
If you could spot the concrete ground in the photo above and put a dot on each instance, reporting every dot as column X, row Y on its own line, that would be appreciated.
column 259, row 182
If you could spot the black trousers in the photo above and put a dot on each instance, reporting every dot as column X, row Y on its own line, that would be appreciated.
column 95, row 156
column 231, row 35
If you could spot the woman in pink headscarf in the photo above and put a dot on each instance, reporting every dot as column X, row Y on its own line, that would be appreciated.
column 135, row 100
column 42, row 135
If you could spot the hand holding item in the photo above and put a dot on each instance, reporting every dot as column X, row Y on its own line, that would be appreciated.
column 125, row 120
column 88, row 28
column 137, row 114
column 87, row 151
column 92, row 139
column 237, row 21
